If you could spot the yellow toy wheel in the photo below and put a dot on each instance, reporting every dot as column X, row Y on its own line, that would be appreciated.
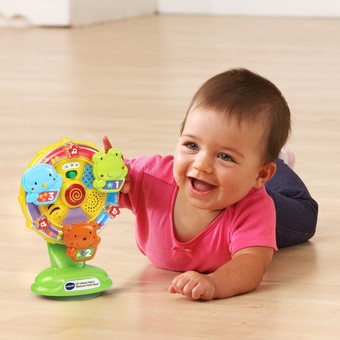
column 57, row 189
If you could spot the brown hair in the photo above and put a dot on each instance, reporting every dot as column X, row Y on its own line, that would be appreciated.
column 247, row 96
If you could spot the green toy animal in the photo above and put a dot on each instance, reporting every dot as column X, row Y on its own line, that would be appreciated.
column 109, row 170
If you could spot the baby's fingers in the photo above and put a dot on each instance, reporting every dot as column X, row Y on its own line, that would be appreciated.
column 194, row 286
column 183, row 285
column 198, row 292
column 107, row 144
column 178, row 284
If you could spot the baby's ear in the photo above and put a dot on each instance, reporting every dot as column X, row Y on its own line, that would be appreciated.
column 265, row 174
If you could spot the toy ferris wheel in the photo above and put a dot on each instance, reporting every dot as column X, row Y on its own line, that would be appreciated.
column 68, row 194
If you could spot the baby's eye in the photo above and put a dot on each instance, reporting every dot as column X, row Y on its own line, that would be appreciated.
column 191, row 146
column 225, row 157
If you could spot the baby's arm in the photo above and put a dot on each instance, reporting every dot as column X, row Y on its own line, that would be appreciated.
column 240, row 275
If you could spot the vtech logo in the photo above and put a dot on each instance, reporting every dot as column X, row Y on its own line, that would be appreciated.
column 70, row 285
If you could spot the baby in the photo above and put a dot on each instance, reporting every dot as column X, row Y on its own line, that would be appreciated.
column 222, row 205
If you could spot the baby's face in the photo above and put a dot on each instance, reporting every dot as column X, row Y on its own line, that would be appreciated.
column 217, row 160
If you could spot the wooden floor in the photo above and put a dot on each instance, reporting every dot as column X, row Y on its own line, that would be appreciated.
column 133, row 81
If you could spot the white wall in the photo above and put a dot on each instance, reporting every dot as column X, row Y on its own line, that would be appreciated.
column 314, row 8
column 71, row 12
column 37, row 12
column 84, row 12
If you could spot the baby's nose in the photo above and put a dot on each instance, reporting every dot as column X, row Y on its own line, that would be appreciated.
column 204, row 164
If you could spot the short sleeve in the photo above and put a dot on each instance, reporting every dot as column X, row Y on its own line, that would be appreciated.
column 254, row 222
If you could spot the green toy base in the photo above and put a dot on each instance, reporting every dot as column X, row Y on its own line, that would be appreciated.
column 70, row 280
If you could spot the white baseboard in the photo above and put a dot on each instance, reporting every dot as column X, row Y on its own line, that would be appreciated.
column 87, row 12
column 71, row 12
column 35, row 12
column 304, row 8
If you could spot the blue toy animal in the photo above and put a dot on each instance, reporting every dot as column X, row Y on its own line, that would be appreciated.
column 42, row 184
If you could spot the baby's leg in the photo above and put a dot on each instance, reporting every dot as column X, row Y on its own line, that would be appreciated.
column 296, row 210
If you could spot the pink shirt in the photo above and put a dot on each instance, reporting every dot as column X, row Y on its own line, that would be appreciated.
column 250, row 222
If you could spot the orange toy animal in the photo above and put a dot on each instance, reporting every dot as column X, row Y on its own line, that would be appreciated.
column 81, row 240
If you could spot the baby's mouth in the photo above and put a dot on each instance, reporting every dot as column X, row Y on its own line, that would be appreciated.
column 201, row 185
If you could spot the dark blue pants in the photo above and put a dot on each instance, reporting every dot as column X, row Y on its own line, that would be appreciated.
column 296, row 210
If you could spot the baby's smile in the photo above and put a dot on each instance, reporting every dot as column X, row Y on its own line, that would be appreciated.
column 201, row 186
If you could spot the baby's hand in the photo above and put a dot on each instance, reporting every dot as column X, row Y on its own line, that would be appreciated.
column 107, row 146
column 194, row 286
